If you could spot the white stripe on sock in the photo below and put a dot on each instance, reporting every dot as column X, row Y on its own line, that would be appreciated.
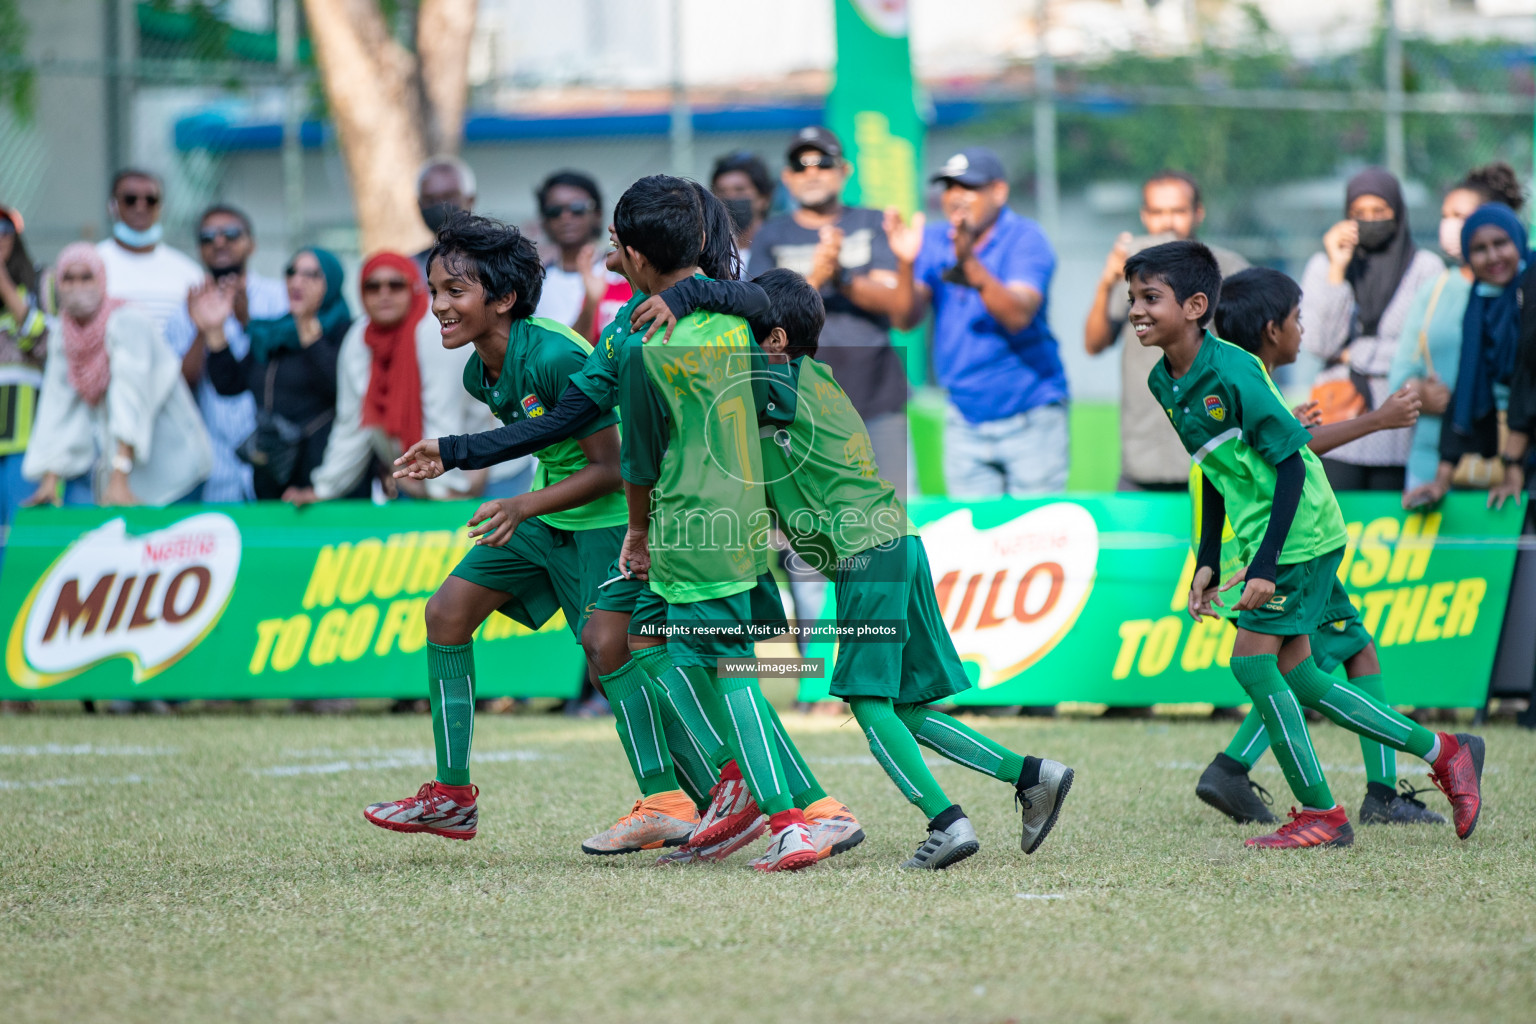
column 746, row 762
column 1289, row 745
column 955, row 757
column 655, row 717
column 1255, row 739
column 890, row 761
column 805, row 783
column 698, row 704
column 1354, row 721
column 442, row 703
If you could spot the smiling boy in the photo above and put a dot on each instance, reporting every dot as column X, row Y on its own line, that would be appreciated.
column 1260, row 312
column 541, row 552
column 1259, row 473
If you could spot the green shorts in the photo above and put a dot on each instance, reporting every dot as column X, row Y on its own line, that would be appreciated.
column 1342, row 635
column 909, row 657
column 1307, row 595
column 702, row 632
column 622, row 594
column 544, row 569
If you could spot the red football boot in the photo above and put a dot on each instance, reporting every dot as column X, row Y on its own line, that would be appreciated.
column 731, row 810
column 1458, row 771
column 1308, row 828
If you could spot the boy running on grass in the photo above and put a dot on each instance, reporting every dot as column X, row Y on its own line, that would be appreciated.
column 730, row 818
column 846, row 521
column 1260, row 312
column 535, row 554
column 1259, row 473
column 697, row 519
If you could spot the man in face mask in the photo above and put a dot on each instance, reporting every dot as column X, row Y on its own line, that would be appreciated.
column 444, row 184
column 140, row 267
column 226, row 242
column 742, row 183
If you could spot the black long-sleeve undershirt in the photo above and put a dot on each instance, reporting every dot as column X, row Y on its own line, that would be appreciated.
column 1290, row 479
column 514, row 440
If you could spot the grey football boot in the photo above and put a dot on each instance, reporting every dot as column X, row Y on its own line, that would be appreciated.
column 950, row 840
column 1041, row 801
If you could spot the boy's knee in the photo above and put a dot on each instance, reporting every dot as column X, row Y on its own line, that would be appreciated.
column 605, row 648
column 445, row 624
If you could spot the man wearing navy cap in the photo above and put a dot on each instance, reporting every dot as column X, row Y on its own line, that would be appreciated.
column 986, row 274
column 842, row 251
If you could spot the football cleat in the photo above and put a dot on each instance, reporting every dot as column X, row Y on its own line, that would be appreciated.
column 688, row 854
column 1041, row 803
column 664, row 819
column 789, row 849
column 834, row 829
column 1308, row 828
column 1225, row 785
column 731, row 810
column 430, row 811
column 1383, row 806
column 951, row 839
column 1460, row 777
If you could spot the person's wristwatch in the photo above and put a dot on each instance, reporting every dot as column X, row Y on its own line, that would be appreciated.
column 1510, row 460
column 122, row 464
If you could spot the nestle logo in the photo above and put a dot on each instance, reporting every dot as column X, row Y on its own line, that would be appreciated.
column 180, row 549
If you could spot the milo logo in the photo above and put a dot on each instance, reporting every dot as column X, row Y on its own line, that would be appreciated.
column 149, row 599
column 1009, row 593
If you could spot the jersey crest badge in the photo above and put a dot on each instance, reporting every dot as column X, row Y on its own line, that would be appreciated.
column 532, row 406
column 1214, row 409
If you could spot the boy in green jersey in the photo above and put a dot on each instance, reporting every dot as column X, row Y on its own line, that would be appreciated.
column 536, row 554
column 1259, row 474
column 894, row 653
column 697, row 519
column 1260, row 312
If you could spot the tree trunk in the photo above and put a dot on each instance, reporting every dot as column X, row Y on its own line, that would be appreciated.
column 373, row 88
column 444, row 29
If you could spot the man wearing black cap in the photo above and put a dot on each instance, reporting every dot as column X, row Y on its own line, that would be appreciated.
column 843, row 252
column 986, row 274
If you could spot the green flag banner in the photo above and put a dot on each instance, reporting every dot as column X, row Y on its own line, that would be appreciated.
column 1084, row 598
column 234, row 601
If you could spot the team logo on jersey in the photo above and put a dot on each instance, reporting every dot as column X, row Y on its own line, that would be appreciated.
column 1009, row 593
column 532, row 406
column 1214, row 409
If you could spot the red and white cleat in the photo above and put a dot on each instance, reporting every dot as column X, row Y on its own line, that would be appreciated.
column 431, row 810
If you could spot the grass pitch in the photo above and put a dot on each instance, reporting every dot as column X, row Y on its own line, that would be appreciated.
column 217, row 867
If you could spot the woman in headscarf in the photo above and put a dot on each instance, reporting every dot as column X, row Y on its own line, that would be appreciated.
column 23, row 344
column 1430, row 352
column 291, row 370
column 115, row 421
column 1494, row 242
column 396, row 384
column 1355, row 299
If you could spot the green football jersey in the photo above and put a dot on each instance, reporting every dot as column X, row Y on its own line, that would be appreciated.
column 820, row 470
column 1236, row 426
column 690, row 432
column 542, row 355
column 599, row 378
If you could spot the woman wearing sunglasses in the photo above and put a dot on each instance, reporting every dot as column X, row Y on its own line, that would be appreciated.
column 291, row 371
column 395, row 384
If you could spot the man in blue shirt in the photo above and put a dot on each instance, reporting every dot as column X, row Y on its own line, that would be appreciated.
column 986, row 274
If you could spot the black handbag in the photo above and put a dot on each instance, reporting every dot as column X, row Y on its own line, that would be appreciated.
column 274, row 447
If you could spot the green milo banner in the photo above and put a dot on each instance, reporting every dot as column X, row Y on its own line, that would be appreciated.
column 1084, row 598
column 254, row 601
column 1048, row 600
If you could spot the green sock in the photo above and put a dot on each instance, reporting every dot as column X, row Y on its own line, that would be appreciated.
column 1380, row 760
column 797, row 774
column 638, row 723
column 1251, row 740
column 1260, row 677
column 1357, row 711
column 898, row 753
column 752, row 739
column 451, row 689
column 697, row 705
column 960, row 743
column 695, row 775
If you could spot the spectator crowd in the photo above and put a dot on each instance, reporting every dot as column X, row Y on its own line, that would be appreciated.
column 131, row 373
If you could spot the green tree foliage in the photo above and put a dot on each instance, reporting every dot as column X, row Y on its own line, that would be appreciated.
column 17, row 85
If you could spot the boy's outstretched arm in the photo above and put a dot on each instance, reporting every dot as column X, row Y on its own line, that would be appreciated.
column 431, row 457
column 495, row 521
column 1213, row 521
column 1401, row 409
